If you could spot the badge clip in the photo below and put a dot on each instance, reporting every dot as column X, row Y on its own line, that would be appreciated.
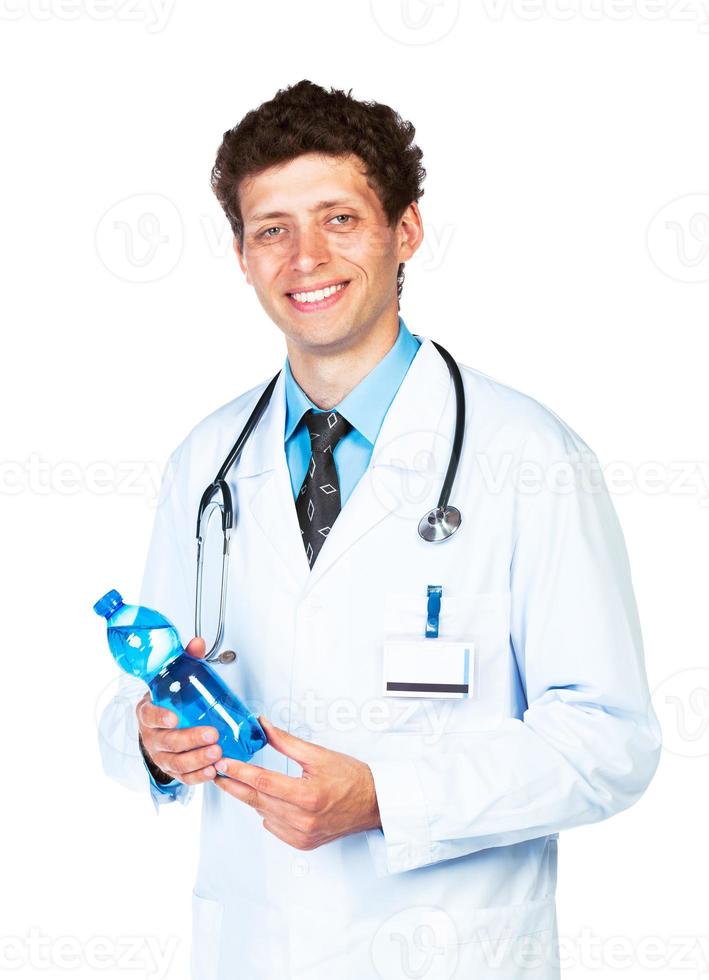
column 433, row 611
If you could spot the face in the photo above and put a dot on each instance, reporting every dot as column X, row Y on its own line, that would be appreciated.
column 319, row 253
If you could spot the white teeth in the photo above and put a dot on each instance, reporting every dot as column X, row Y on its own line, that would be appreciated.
column 318, row 294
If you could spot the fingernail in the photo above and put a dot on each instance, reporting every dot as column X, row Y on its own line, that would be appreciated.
column 209, row 737
column 220, row 766
column 168, row 720
column 213, row 753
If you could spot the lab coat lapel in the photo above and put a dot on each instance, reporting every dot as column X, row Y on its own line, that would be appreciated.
column 410, row 441
column 263, row 474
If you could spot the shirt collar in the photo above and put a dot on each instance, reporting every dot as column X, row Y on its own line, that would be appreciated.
column 368, row 402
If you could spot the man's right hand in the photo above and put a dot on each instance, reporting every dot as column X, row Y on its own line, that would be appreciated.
column 187, row 754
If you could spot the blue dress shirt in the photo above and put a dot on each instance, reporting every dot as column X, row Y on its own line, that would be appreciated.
column 364, row 408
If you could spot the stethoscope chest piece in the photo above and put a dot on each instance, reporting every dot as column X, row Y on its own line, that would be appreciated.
column 227, row 657
column 439, row 523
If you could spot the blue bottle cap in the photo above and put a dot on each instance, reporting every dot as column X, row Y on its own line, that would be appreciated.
column 107, row 604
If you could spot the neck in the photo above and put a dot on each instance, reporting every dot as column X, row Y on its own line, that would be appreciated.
column 328, row 375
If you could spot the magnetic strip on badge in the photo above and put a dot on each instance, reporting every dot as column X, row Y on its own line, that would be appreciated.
column 428, row 669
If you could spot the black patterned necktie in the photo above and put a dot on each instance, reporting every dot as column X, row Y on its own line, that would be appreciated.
column 318, row 502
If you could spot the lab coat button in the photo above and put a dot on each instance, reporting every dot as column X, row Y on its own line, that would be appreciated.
column 299, row 867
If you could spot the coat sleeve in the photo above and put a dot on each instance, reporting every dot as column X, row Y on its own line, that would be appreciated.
column 588, row 743
column 167, row 587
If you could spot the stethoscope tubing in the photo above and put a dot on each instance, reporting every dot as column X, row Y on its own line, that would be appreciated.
column 442, row 517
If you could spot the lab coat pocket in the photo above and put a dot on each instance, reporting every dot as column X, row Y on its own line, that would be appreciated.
column 517, row 942
column 206, row 933
column 480, row 620
column 453, row 940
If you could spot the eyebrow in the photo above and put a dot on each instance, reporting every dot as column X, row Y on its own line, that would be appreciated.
column 320, row 206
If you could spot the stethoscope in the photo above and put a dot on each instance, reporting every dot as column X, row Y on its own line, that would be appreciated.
column 437, row 525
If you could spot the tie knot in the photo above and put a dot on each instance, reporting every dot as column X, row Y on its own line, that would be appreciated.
column 326, row 429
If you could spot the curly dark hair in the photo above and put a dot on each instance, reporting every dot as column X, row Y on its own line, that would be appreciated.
column 306, row 118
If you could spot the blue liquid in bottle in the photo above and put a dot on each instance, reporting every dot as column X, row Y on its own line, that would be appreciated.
column 145, row 644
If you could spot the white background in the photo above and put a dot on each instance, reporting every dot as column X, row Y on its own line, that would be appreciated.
column 567, row 254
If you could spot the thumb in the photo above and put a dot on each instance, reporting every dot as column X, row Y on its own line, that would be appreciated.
column 196, row 647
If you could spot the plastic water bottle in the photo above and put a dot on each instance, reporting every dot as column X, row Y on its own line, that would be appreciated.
column 145, row 644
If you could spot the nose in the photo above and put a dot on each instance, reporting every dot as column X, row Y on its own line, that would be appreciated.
column 310, row 249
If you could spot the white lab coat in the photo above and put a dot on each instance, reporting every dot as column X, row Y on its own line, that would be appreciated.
column 460, row 881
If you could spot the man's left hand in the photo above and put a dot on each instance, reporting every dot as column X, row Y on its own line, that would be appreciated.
column 333, row 797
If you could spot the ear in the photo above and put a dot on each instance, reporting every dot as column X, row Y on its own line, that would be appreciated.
column 410, row 232
column 240, row 259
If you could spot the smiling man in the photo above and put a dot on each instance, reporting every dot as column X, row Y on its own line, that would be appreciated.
column 436, row 713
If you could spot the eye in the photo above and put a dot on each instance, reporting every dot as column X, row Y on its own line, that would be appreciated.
column 266, row 233
column 347, row 217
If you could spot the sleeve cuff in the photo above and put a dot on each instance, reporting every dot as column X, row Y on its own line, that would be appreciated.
column 162, row 793
column 404, row 841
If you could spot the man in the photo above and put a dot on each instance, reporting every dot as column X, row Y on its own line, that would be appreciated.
column 378, row 835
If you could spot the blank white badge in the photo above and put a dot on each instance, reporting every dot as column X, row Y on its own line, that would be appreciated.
column 430, row 668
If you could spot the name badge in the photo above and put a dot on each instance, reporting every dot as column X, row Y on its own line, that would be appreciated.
column 428, row 668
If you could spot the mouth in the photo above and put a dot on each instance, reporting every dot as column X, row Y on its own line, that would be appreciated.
column 313, row 300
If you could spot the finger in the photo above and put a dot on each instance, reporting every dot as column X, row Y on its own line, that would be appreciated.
column 152, row 716
column 182, row 763
column 163, row 720
column 288, row 834
column 294, row 790
column 196, row 778
column 182, row 739
column 196, row 647
column 240, row 791
column 305, row 753
column 287, row 813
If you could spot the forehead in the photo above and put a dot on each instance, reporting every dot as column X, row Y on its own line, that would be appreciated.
column 302, row 184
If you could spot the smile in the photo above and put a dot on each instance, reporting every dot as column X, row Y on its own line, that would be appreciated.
column 318, row 299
